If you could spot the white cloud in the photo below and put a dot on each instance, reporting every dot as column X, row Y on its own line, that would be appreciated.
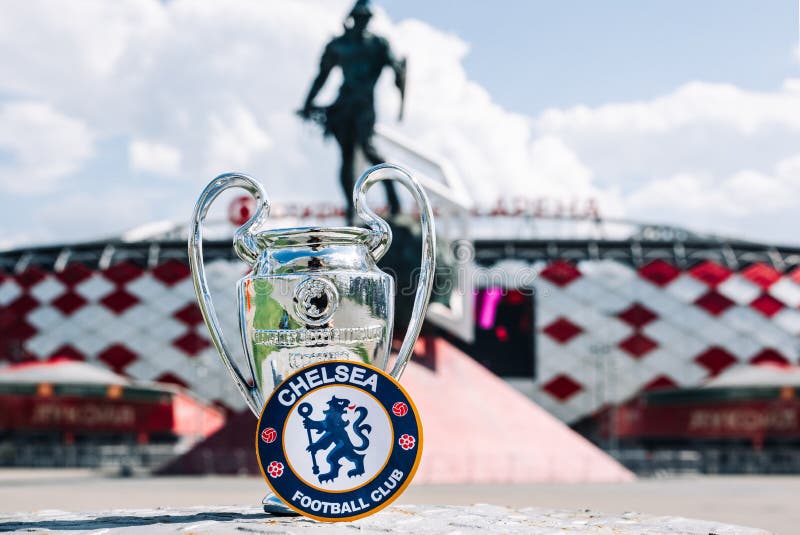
column 41, row 146
column 93, row 215
column 198, row 87
column 711, row 156
column 154, row 157
column 72, row 53
column 745, row 203
column 495, row 150
column 747, row 112
column 236, row 139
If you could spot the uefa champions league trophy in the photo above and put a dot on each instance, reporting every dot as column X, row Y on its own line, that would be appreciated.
column 313, row 294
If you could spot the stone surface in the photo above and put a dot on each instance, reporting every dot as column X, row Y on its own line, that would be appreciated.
column 417, row 519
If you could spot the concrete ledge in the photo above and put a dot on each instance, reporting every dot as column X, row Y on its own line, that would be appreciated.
column 416, row 519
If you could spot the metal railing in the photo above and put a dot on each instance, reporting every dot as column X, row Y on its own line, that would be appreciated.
column 117, row 458
column 716, row 460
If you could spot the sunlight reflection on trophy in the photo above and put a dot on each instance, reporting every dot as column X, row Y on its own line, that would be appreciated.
column 313, row 293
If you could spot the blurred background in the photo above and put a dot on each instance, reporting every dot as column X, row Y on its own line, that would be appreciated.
column 616, row 188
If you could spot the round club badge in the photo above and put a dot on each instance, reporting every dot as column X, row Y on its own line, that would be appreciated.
column 339, row 440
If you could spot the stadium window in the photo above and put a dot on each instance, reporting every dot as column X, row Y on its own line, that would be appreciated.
column 504, row 331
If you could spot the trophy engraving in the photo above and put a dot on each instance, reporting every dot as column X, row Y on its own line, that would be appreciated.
column 315, row 300
column 313, row 294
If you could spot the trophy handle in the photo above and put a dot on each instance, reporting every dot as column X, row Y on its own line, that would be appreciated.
column 382, row 239
column 244, row 244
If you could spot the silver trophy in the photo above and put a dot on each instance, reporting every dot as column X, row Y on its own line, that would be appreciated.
column 313, row 293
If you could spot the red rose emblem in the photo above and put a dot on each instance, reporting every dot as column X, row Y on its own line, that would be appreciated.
column 275, row 469
column 407, row 442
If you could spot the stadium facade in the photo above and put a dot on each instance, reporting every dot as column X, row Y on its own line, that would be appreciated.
column 575, row 324
column 576, row 312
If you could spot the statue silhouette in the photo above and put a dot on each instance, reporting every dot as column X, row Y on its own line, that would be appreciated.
column 362, row 57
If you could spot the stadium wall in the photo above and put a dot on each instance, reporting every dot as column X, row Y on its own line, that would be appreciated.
column 607, row 325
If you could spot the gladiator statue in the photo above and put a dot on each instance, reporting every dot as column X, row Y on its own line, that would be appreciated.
column 362, row 57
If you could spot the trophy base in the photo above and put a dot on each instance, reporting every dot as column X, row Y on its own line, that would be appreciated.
column 274, row 506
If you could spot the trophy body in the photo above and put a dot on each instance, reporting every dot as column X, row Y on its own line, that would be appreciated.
column 312, row 294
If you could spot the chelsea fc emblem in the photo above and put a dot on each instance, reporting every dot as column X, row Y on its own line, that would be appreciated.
column 339, row 440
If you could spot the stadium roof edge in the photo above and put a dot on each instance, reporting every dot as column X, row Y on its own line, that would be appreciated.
column 732, row 253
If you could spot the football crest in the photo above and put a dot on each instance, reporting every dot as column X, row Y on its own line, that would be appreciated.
column 339, row 440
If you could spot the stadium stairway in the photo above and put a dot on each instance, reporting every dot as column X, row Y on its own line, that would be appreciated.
column 477, row 429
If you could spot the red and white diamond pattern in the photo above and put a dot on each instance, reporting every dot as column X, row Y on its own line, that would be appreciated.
column 607, row 331
column 143, row 323
column 647, row 328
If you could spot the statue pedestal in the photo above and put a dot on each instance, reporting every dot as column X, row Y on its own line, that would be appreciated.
column 411, row 519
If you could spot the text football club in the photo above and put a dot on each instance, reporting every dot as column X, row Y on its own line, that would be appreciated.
column 339, row 440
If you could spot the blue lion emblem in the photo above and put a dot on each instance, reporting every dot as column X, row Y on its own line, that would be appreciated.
column 334, row 431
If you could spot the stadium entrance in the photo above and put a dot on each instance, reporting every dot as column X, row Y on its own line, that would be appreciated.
column 504, row 332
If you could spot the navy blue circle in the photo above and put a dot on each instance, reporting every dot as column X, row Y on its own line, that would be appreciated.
column 387, row 392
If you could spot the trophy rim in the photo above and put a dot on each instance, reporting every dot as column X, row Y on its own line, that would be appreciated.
column 313, row 236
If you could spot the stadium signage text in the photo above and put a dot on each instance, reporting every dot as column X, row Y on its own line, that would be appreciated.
column 542, row 207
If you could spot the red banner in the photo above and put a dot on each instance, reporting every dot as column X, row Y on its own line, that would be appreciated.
column 179, row 415
column 748, row 420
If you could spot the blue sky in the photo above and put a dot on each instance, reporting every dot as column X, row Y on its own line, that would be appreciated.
column 114, row 115
column 533, row 54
